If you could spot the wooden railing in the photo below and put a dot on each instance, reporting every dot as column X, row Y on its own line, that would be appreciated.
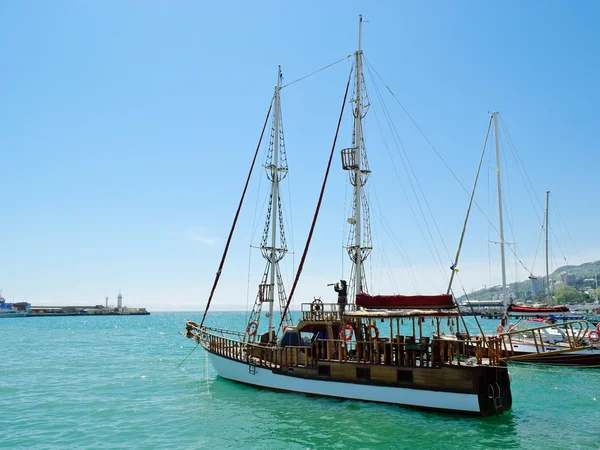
column 223, row 332
column 324, row 311
column 425, row 353
column 574, row 332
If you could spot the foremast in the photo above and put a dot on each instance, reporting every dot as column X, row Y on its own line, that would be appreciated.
column 273, row 243
column 354, row 160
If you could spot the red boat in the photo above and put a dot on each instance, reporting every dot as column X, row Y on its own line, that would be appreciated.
column 518, row 310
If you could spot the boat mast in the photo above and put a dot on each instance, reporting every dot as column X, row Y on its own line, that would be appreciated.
column 547, row 269
column 275, row 199
column 355, row 161
column 273, row 249
column 358, row 285
column 501, row 222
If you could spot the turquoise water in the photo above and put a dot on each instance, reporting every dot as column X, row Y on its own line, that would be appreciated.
column 113, row 382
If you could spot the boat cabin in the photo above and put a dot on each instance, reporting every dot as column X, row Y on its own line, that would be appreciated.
column 381, row 330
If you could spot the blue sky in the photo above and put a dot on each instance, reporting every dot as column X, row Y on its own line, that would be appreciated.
column 127, row 129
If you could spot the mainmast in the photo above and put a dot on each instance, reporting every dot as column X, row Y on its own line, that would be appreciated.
column 355, row 161
column 273, row 244
column 501, row 222
column 547, row 268
column 275, row 198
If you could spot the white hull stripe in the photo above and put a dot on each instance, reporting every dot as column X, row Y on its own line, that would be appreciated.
column 238, row 371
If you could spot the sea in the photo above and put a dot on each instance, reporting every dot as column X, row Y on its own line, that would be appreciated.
column 119, row 382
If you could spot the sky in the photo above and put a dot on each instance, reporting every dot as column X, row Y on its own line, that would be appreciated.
column 127, row 130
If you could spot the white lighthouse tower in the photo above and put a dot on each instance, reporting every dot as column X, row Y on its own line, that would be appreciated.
column 120, row 302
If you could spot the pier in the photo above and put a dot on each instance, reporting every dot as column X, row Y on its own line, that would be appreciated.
column 97, row 310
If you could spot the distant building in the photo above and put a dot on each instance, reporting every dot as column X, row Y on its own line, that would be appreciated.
column 568, row 279
column 537, row 286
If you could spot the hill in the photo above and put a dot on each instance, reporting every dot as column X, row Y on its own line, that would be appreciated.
column 579, row 282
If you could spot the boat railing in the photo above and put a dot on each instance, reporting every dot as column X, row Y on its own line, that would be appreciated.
column 325, row 311
column 423, row 352
column 574, row 332
column 224, row 332
column 224, row 346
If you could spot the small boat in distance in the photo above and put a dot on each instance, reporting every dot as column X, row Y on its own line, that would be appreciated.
column 365, row 347
column 536, row 311
column 20, row 309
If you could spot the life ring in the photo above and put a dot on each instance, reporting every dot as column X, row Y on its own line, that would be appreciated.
column 344, row 336
column 252, row 328
column 594, row 336
column 511, row 327
column 499, row 328
column 372, row 327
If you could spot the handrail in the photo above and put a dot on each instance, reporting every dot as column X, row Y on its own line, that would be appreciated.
column 225, row 331
column 574, row 331
column 389, row 352
column 582, row 329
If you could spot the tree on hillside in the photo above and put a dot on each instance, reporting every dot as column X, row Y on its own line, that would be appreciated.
column 569, row 295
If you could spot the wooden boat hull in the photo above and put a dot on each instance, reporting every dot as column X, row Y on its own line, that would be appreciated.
column 589, row 357
column 476, row 403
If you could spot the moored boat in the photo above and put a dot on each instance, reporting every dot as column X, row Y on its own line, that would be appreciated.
column 20, row 309
column 566, row 344
column 364, row 347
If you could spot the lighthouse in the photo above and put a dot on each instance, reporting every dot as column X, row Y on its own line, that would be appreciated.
column 120, row 302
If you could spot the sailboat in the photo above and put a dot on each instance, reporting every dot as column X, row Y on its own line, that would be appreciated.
column 362, row 347
column 570, row 343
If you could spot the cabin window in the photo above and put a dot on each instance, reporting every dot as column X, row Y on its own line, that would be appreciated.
column 305, row 338
column 290, row 338
column 404, row 376
column 324, row 371
column 363, row 373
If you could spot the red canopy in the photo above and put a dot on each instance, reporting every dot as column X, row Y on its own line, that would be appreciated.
column 443, row 301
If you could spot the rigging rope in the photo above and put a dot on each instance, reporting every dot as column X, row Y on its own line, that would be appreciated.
column 179, row 365
column 442, row 159
column 404, row 191
column 462, row 235
column 407, row 165
column 317, row 71
column 314, row 221
column 519, row 165
column 555, row 206
column 537, row 248
column 237, row 214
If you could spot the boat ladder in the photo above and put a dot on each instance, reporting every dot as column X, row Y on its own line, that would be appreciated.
column 251, row 366
column 495, row 395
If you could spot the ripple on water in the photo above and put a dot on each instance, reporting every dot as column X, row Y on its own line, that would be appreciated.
column 113, row 382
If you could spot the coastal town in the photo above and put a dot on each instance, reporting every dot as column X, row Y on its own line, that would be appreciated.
column 25, row 309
